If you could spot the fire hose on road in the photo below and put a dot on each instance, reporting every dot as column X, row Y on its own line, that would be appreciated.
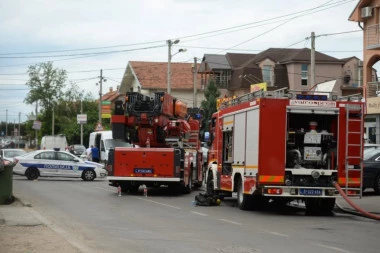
column 360, row 210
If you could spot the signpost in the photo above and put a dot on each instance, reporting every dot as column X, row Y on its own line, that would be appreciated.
column 82, row 118
column 106, row 109
column 36, row 125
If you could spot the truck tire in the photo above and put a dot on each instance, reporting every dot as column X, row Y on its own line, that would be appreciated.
column 32, row 173
column 244, row 201
column 128, row 187
column 319, row 205
column 376, row 185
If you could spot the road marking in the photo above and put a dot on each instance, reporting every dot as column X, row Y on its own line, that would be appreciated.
column 331, row 247
column 159, row 203
column 275, row 233
column 70, row 238
column 105, row 189
column 230, row 221
column 202, row 214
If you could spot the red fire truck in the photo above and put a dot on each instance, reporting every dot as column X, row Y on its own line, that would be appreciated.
column 167, row 146
column 286, row 145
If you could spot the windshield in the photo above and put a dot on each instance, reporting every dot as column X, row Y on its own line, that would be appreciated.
column 110, row 143
column 13, row 153
column 79, row 148
column 368, row 153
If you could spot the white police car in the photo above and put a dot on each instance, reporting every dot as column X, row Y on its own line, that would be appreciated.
column 51, row 163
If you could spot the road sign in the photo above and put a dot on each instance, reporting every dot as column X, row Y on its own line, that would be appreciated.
column 82, row 118
column 99, row 127
column 36, row 125
column 106, row 115
column 106, row 102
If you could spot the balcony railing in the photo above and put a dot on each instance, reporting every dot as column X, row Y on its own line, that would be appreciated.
column 373, row 36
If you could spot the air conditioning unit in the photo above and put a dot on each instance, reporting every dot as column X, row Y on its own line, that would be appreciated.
column 366, row 12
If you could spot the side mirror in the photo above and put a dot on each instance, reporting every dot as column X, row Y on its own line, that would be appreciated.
column 76, row 160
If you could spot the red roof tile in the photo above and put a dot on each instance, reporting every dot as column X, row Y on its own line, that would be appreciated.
column 153, row 75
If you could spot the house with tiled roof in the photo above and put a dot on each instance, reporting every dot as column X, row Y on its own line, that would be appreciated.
column 150, row 77
column 279, row 68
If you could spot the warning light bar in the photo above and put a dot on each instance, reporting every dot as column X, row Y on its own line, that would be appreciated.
column 311, row 97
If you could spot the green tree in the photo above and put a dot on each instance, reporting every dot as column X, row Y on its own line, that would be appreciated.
column 46, row 88
column 67, row 109
column 209, row 105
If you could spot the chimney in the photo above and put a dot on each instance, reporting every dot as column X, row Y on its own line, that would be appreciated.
column 111, row 89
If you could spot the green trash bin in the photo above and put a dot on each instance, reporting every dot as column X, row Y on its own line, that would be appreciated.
column 6, row 182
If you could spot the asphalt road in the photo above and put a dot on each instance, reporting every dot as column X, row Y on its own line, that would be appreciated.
column 94, row 218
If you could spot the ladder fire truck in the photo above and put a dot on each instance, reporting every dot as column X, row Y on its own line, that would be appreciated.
column 286, row 145
column 167, row 150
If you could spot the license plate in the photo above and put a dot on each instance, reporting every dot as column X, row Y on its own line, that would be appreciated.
column 314, row 192
column 143, row 171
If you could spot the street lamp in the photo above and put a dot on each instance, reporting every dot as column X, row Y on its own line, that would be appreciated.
column 170, row 43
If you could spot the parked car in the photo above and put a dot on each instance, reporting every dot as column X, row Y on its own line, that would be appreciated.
column 371, row 175
column 371, row 146
column 52, row 163
column 77, row 149
column 9, row 153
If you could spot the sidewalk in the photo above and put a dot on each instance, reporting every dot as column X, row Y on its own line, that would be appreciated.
column 22, row 231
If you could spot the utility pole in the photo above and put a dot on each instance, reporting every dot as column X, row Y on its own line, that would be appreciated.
column 19, row 130
column 312, row 66
column 195, row 72
column 6, row 122
column 100, row 94
column 52, row 122
column 169, row 42
column 36, row 138
column 81, row 125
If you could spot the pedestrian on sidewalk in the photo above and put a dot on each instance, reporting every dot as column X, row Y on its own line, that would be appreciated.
column 95, row 154
column 88, row 153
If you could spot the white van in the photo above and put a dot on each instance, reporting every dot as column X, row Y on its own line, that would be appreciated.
column 104, row 141
column 54, row 142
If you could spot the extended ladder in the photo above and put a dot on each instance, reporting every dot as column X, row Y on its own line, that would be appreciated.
column 354, row 150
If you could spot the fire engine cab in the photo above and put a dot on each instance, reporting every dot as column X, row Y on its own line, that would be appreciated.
column 286, row 145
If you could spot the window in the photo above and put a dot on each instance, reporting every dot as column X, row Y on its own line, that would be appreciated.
column 304, row 75
column 45, row 156
column 267, row 75
column 65, row 157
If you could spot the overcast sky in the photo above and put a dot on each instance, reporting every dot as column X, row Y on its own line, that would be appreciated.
column 118, row 31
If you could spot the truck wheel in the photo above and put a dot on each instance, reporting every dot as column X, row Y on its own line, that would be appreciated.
column 128, row 187
column 319, row 205
column 244, row 200
column 32, row 174
column 88, row 175
column 376, row 185
column 327, row 205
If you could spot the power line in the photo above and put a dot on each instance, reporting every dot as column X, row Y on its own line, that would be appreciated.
column 81, row 54
column 287, row 21
column 233, row 28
